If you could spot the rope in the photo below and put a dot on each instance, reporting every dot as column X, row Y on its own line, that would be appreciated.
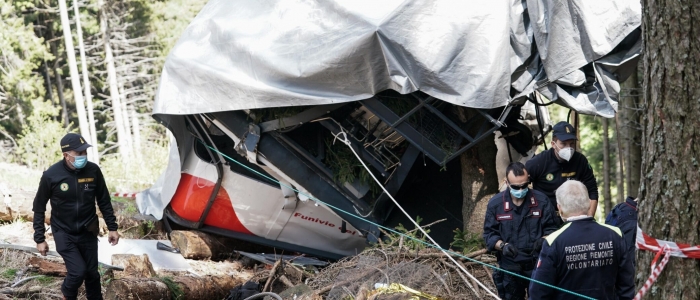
column 347, row 142
column 394, row 231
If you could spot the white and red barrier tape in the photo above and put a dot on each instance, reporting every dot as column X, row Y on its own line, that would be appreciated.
column 125, row 195
column 645, row 242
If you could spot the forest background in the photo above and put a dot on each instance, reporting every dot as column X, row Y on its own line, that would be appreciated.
column 106, row 56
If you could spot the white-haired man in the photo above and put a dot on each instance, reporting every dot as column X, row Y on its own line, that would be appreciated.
column 583, row 256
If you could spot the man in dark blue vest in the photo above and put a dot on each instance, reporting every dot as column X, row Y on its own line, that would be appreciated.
column 583, row 256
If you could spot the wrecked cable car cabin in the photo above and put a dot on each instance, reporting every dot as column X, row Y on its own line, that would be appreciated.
column 271, row 105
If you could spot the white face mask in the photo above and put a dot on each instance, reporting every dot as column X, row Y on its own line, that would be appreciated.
column 566, row 153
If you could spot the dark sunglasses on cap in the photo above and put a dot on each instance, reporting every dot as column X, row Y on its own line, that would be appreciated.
column 519, row 186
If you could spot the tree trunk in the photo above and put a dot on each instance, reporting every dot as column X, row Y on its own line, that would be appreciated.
column 193, row 288
column 620, row 148
column 479, row 176
column 113, row 87
column 670, row 187
column 93, row 151
column 74, row 74
column 125, row 117
column 607, row 198
column 59, row 81
column 630, row 105
column 137, row 131
column 618, row 164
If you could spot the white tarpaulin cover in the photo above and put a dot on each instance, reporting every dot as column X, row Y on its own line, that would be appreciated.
column 244, row 54
column 241, row 54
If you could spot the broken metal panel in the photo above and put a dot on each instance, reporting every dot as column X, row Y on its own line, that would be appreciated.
column 427, row 128
column 303, row 117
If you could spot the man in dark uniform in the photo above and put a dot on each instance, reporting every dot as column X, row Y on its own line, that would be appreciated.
column 549, row 169
column 74, row 185
column 516, row 221
column 624, row 216
column 583, row 256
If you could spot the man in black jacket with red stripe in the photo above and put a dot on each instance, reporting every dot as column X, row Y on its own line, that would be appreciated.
column 516, row 221
column 74, row 185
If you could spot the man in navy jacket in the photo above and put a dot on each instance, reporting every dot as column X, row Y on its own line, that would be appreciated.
column 583, row 256
column 516, row 221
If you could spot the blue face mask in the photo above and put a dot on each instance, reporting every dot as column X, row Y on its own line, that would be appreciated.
column 519, row 193
column 80, row 161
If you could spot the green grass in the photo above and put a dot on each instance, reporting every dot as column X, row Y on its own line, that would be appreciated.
column 175, row 289
column 45, row 280
column 9, row 273
column 466, row 241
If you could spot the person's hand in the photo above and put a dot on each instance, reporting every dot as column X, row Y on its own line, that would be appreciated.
column 537, row 247
column 113, row 237
column 43, row 247
column 509, row 250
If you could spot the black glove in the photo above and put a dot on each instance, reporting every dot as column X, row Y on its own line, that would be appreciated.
column 509, row 250
column 537, row 247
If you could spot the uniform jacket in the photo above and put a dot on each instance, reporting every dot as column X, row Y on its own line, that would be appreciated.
column 624, row 216
column 587, row 258
column 503, row 222
column 547, row 173
column 73, row 194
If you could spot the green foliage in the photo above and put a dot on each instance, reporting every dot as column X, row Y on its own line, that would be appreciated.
column 347, row 168
column 169, row 20
column 9, row 273
column 38, row 144
column 175, row 289
column 105, row 275
column 466, row 241
column 21, row 52
column 411, row 239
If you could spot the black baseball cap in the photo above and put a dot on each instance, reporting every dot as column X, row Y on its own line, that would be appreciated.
column 73, row 141
column 564, row 131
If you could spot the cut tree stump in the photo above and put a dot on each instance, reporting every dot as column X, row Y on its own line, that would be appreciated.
column 47, row 267
column 199, row 245
column 193, row 288
column 138, row 266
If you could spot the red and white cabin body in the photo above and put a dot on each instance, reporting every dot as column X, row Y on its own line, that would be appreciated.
column 256, row 207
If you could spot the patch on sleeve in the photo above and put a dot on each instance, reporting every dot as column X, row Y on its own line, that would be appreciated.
column 504, row 217
column 536, row 213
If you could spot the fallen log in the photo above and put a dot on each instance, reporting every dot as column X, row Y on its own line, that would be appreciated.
column 52, row 253
column 47, row 267
column 20, row 207
column 199, row 245
column 134, row 266
column 184, row 287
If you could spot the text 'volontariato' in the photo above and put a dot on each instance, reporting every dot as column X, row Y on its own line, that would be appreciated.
column 589, row 255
